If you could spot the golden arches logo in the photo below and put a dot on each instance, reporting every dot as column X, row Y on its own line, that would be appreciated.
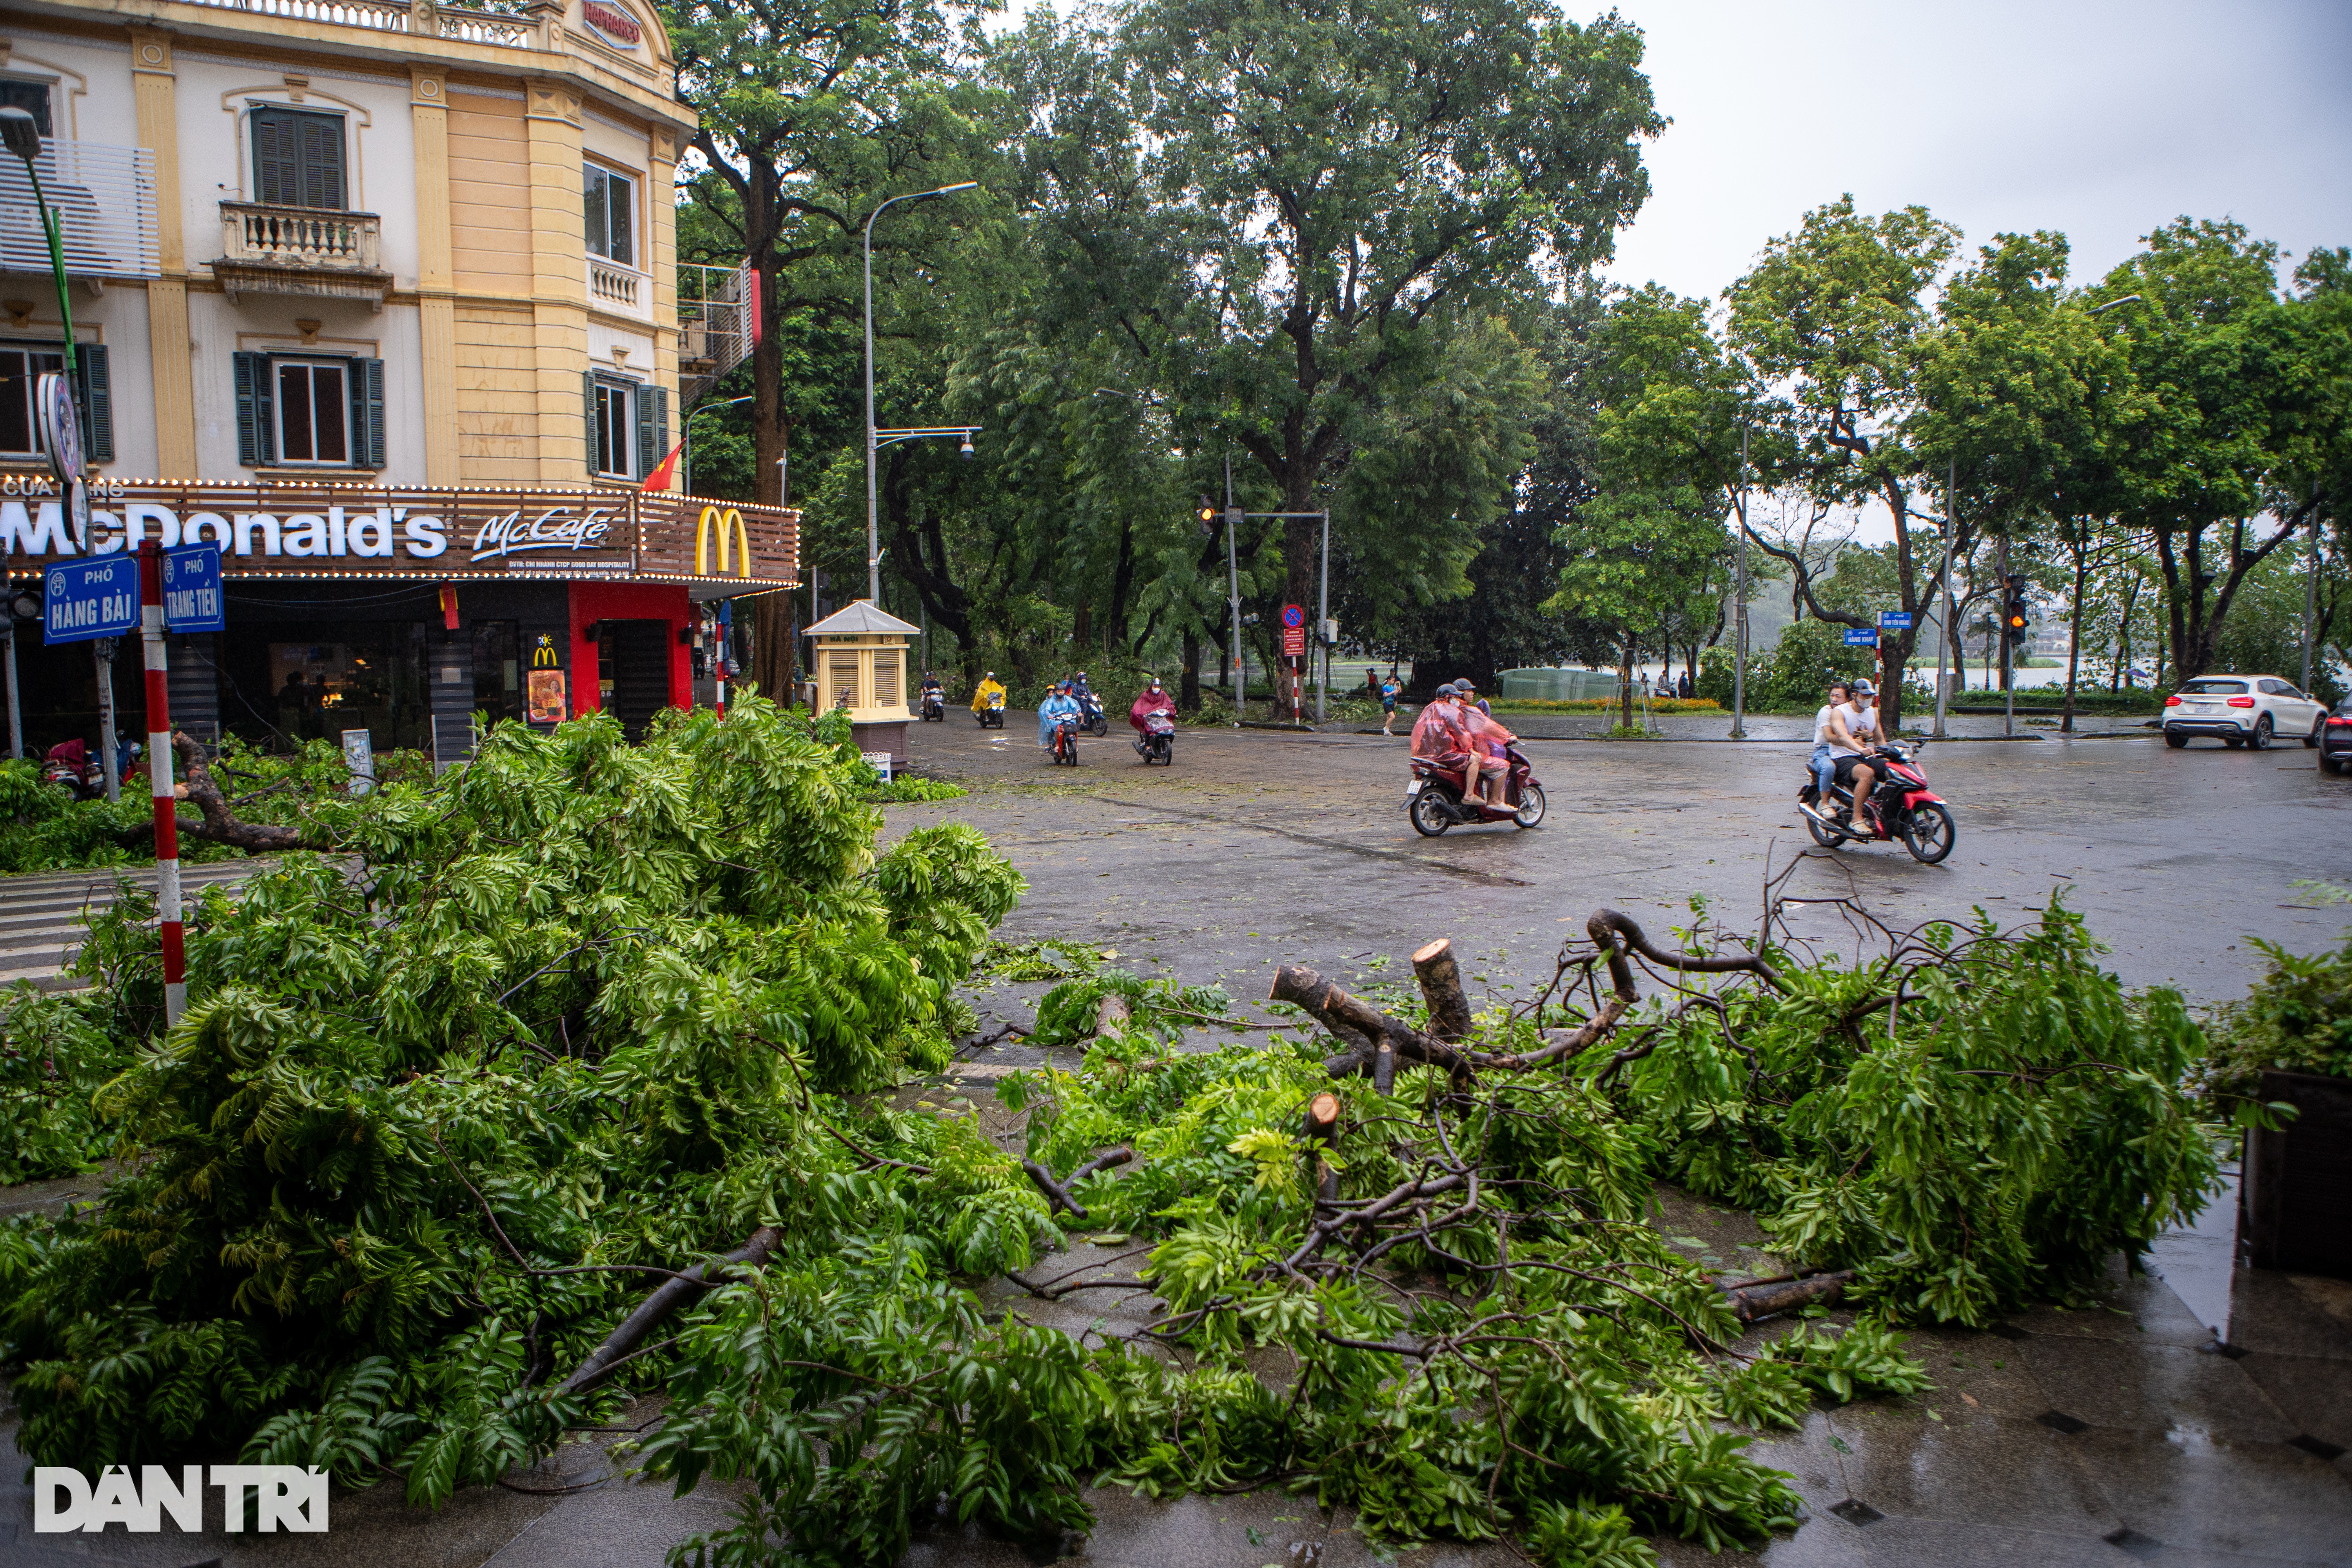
column 731, row 532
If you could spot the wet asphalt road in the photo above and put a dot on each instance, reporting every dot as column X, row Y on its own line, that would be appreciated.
column 1262, row 847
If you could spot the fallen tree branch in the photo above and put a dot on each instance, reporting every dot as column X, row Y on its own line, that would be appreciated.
column 1764, row 1298
column 1441, row 987
column 1624, row 926
column 1057, row 1192
column 220, row 824
column 607, row 1358
column 1344, row 1014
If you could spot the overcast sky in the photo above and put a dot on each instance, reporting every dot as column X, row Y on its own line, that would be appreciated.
column 2099, row 118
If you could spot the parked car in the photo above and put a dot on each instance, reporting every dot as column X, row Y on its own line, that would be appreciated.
column 2242, row 710
column 2336, row 740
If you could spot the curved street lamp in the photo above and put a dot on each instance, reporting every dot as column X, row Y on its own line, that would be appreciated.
column 874, row 441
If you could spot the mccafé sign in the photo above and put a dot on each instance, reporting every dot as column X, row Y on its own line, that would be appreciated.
column 312, row 530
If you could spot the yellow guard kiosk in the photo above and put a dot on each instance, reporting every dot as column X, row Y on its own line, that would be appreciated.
column 858, row 656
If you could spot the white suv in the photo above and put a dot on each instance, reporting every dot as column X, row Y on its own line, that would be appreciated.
column 2242, row 710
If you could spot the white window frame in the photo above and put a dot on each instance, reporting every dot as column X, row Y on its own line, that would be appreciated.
column 617, row 400
column 631, row 181
column 278, row 363
column 32, row 382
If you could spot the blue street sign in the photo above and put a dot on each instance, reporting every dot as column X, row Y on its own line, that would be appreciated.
column 1893, row 620
column 191, row 589
column 1861, row 636
column 85, row 600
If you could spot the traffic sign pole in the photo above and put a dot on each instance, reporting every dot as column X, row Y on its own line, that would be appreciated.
column 159, row 776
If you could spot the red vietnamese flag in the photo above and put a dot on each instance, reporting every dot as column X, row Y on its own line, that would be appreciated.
column 663, row 472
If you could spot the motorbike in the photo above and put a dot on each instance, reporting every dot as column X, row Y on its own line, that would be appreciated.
column 1158, row 742
column 1066, row 739
column 1437, row 798
column 934, row 705
column 69, row 766
column 1904, row 806
column 990, row 713
column 1091, row 717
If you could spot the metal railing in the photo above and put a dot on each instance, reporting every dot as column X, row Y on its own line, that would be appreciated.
column 458, row 23
column 104, row 197
column 301, row 236
column 716, row 311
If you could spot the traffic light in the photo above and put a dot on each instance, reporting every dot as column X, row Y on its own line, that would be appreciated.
column 1208, row 516
column 2015, row 616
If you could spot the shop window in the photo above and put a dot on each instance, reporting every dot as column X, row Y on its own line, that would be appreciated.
column 32, row 97
column 298, row 158
column 308, row 412
column 628, row 426
column 21, row 368
column 498, row 670
column 611, row 201
column 373, row 679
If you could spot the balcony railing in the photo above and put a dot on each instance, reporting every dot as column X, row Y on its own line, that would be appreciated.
column 300, row 250
column 716, row 307
column 458, row 22
column 615, row 287
column 105, row 201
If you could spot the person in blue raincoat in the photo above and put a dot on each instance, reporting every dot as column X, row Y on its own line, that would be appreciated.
column 1057, row 702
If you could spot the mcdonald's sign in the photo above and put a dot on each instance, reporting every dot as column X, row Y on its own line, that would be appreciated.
column 734, row 542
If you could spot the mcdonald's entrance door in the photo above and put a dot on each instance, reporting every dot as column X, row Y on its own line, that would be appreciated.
column 632, row 671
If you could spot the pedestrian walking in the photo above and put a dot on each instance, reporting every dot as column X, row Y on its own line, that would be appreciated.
column 1389, row 690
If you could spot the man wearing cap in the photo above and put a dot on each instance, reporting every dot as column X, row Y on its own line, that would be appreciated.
column 1853, row 729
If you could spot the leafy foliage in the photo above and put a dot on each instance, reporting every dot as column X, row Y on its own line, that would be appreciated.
column 53, row 1058
column 2297, row 1019
column 1975, row 1120
column 566, row 1012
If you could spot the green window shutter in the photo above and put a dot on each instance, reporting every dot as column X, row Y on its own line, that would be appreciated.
column 322, row 162
column 276, row 173
column 257, row 434
column 96, row 387
column 588, row 402
column 653, row 428
column 298, row 159
column 366, row 383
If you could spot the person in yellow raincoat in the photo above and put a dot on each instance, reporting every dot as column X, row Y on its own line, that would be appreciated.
column 989, row 687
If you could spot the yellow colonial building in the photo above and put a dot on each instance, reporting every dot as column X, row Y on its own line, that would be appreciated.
column 384, row 298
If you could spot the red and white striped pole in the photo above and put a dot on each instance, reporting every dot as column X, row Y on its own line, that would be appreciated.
column 159, row 777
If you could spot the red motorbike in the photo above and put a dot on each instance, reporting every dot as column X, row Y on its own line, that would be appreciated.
column 1901, row 805
column 1437, row 798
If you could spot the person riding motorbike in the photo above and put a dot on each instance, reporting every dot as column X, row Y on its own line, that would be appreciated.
column 1438, row 735
column 989, row 687
column 1057, row 702
column 1824, row 766
column 1488, row 741
column 1152, row 700
column 1853, row 730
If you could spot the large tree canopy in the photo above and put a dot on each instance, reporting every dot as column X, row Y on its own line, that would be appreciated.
column 1314, row 232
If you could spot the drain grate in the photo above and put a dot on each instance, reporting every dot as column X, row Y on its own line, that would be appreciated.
column 1854, row 1511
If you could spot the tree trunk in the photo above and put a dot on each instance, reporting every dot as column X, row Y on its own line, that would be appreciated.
column 1625, row 687
column 1441, row 987
column 1188, row 688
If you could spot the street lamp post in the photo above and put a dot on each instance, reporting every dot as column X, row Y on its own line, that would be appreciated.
column 1740, row 608
column 873, row 441
column 22, row 135
column 686, row 438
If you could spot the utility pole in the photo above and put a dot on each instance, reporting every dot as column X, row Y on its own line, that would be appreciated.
column 1234, row 588
column 2008, row 661
column 8, row 650
column 1323, row 620
column 1739, row 609
column 2311, row 602
column 101, row 652
column 1944, row 644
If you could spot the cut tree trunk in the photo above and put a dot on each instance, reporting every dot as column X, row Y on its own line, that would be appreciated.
column 1441, row 987
column 1763, row 1299
column 220, row 824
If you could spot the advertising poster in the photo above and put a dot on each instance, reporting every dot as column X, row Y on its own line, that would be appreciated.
column 546, row 697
